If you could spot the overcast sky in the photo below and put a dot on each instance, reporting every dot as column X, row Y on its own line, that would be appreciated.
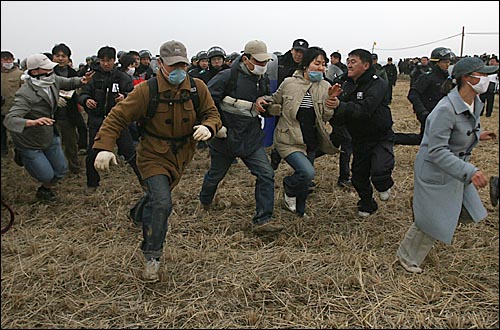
column 400, row 29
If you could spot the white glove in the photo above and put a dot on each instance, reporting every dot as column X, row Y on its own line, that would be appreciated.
column 61, row 102
column 201, row 133
column 103, row 159
column 222, row 133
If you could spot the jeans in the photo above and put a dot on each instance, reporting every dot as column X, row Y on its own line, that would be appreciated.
column 157, row 208
column 297, row 184
column 259, row 166
column 47, row 165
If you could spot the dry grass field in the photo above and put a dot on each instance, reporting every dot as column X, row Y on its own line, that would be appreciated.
column 76, row 263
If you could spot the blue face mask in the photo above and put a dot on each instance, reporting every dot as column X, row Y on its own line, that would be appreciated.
column 315, row 76
column 177, row 76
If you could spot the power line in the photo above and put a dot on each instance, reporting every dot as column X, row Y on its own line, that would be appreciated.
column 427, row 43
column 433, row 42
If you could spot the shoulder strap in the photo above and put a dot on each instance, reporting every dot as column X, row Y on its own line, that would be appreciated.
column 153, row 97
column 232, row 81
column 193, row 92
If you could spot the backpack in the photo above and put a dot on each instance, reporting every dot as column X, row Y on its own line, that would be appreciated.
column 154, row 100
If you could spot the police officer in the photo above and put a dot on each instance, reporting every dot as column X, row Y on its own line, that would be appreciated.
column 216, row 56
column 426, row 93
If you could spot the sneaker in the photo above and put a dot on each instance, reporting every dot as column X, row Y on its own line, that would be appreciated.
column 367, row 208
column 344, row 183
column 290, row 202
column 268, row 227
column 45, row 194
column 494, row 190
column 385, row 195
column 363, row 214
column 410, row 268
column 17, row 158
column 151, row 270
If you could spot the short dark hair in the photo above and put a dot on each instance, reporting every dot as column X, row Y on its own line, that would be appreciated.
column 126, row 60
column 61, row 48
column 364, row 55
column 106, row 51
column 336, row 55
column 6, row 55
column 134, row 53
column 310, row 55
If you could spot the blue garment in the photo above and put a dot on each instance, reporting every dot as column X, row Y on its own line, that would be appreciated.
column 297, row 184
column 157, row 208
column 259, row 166
column 45, row 165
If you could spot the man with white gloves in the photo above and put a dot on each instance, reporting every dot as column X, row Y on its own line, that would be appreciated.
column 166, row 147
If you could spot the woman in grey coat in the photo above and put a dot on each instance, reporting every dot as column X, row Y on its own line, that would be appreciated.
column 445, row 183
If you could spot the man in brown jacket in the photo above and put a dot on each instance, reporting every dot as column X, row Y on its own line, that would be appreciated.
column 167, row 146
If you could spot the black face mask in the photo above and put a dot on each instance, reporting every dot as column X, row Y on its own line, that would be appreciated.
column 48, row 74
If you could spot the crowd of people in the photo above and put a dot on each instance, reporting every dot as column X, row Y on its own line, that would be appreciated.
column 158, row 111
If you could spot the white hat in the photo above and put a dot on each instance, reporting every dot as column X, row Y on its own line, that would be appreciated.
column 39, row 61
column 258, row 50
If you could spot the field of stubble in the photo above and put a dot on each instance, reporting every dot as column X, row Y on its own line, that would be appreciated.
column 76, row 263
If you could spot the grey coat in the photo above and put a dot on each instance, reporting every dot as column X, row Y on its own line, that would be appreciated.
column 442, row 172
column 30, row 103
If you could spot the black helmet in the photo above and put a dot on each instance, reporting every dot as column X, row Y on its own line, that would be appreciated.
column 442, row 53
column 233, row 56
column 216, row 51
column 202, row 55
column 145, row 53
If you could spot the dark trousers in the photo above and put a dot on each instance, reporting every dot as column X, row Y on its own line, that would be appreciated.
column 372, row 161
column 488, row 98
column 410, row 139
column 126, row 148
column 345, row 160
column 4, row 137
column 81, row 127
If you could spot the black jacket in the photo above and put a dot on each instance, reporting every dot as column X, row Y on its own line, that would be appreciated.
column 70, row 112
column 364, row 108
column 426, row 91
column 286, row 66
column 100, row 88
column 244, row 133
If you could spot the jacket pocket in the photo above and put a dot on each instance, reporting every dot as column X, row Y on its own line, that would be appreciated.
column 432, row 174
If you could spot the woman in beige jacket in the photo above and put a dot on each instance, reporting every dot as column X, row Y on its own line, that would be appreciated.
column 303, row 127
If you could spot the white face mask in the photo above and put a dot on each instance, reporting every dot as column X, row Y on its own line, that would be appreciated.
column 482, row 86
column 259, row 70
column 44, row 81
column 8, row 66
column 131, row 71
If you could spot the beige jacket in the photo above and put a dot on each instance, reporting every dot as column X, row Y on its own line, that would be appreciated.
column 286, row 102
column 11, row 81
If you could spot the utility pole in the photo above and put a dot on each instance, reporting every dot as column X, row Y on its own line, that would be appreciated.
column 462, row 43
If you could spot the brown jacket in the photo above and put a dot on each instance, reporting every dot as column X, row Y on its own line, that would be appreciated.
column 11, row 81
column 155, row 156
